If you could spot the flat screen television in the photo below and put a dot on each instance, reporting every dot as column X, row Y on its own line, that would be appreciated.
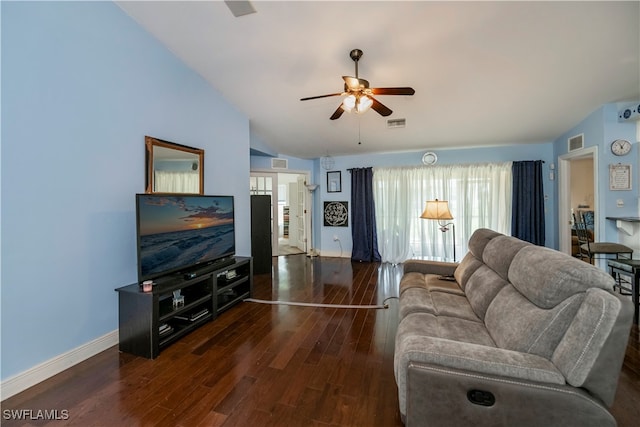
column 179, row 232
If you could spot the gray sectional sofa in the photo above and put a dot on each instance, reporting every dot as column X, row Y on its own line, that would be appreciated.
column 516, row 335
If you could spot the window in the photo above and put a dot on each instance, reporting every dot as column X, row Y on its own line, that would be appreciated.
column 479, row 196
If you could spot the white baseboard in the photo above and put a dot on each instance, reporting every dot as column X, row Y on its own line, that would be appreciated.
column 51, row 367
column 335, row 254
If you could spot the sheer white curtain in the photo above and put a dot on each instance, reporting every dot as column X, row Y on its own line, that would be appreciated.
column 176, row 182
column 479, row 196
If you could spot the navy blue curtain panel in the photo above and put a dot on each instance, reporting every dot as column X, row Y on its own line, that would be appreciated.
column 363, row 217
column 527, row 217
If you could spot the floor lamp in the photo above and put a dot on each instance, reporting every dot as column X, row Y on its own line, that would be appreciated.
column 439, row 210
column 311, row 188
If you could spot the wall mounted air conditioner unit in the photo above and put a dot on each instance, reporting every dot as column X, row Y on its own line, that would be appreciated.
column 277, row 163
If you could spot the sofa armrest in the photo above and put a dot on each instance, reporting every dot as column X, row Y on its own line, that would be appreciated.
column 476, row 358
column 430, row 267
column 439, row 396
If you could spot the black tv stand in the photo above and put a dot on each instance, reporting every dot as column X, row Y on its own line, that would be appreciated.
column 150, row 321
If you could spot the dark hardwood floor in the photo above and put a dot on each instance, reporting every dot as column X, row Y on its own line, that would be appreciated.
column 267, row 365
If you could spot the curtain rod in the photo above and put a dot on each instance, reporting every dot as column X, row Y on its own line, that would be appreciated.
column 367, row 167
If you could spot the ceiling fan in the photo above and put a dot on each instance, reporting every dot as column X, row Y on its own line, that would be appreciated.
column 359, row 94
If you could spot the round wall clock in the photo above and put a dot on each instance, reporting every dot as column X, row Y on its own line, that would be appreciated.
column 429, row 158
column 620, row 147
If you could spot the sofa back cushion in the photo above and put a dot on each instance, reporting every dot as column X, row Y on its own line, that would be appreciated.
column 547, row 277
column 499, row 253
column 473, row 259
column 515, row 323
column 466, row 268
column 479, row 239
column 482, row 287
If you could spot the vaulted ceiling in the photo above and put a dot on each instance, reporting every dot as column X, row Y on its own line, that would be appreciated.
column 485, row 73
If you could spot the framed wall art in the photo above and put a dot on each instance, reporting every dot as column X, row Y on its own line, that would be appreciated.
column 619, row 177
column 334, row 182
column 336, row 214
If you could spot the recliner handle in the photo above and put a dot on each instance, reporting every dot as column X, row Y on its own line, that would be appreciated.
column 481, row 397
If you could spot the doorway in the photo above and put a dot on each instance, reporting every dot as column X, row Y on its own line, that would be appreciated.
column 289, row 223
column 577, row 192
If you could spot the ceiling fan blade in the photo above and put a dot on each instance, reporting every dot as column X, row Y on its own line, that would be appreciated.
column 320, row 96
column 336, row 114
column 355, row 83
column 392, row 91
column 383, row 110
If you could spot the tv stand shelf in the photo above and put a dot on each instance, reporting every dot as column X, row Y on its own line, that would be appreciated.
column 150, row 321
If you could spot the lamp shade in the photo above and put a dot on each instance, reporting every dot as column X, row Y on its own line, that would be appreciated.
column 436, row 209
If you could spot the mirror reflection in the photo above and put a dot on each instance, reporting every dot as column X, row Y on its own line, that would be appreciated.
column 173, row 168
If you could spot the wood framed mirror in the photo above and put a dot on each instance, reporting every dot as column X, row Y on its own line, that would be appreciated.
column 173, row 168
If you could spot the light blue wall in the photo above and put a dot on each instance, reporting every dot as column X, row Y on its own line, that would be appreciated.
column 601, row 128
column 82, row 84
column 458, row 156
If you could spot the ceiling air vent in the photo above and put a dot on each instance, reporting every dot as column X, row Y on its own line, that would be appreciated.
column 576, row 142
column 396, row 123
column 279, row 163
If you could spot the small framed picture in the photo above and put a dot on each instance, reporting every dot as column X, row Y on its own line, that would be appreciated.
column 334, row 182
column 619, row 177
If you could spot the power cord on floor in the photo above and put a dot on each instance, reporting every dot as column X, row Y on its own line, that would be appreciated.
column 337, row 239
column 387, row 299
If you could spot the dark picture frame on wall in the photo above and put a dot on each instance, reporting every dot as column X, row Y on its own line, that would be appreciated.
column 334, row 182
column 336, row 214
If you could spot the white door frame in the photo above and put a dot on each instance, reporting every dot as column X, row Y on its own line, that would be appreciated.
column 564, row 194
column 274, row 203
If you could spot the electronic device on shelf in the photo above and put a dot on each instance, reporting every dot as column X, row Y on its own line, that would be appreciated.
column 165, row 329
column 192, row 317
column 178, row 233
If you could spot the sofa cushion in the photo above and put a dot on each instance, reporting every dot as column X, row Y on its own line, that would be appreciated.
column 482, row 288
column 466, row 268
column 430, row 282
column 444, row 327
column 479, row 239
column 547, row 277
column 500, row 251
column 447, row 304
column 416, row 300
column 420, row 300
column 517, row 324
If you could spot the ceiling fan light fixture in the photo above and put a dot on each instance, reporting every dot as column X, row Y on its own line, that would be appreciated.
column 349, row 103
column 364, row 103
column 359, row 94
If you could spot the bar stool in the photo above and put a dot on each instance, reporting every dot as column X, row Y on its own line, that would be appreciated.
column 631, row 268
column 589, row 249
